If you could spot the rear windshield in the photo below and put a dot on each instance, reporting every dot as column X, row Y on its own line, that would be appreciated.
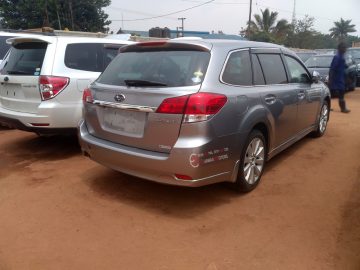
column 93, row 57
column 172, row 68
column 319, row 61
column 25, row 59
column 4, row 47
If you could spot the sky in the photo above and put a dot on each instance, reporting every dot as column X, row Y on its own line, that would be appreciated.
column 228, row 16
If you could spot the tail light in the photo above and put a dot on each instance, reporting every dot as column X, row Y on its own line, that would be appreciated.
column 197, row 107
column 87, row 96
column 51, row 86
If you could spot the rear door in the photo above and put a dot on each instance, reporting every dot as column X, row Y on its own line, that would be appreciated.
column 19, row 88
column 133, row 86
column 277, row 95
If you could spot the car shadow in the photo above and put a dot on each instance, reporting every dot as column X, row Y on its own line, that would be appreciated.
column 40, row 148
column 4, row 128
column 283, row 155
column 180, row 202
column 175, row 201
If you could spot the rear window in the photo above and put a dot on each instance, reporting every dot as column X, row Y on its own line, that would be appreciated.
column 238, row 69
column 171, row 68
column 4, row 47
column 93, row 57
column 25, row 59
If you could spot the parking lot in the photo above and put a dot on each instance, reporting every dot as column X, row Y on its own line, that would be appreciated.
column 59, row 210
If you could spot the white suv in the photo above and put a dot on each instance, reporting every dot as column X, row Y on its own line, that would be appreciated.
column 43, row 77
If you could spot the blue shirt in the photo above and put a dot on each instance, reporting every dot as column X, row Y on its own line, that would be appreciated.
column 337, row 73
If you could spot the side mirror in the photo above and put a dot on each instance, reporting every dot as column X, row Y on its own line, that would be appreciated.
column 315, row 76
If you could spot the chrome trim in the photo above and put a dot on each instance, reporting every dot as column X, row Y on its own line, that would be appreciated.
column 128, row 107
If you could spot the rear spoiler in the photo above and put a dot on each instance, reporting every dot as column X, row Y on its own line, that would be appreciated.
column 16, row 40
column 165, row 45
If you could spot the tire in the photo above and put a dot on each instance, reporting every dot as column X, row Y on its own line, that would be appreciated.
column 322, row 121
column 252, row 162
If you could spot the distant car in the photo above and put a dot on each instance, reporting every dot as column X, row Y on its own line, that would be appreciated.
column 321, row 63
column 197, row 112
column 43, row 77
column 355, row 54
column 305, row 55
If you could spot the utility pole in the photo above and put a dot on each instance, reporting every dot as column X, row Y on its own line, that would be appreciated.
column 294, row 14
column 182, row 25
column 250, row 10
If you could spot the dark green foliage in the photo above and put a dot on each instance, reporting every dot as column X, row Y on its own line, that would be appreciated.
column 298, row 34
column 77, row 15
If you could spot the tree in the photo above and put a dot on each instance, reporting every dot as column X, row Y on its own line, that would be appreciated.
column 341, row 29
column 79, row 15
column 302, row 33
column 265, row 27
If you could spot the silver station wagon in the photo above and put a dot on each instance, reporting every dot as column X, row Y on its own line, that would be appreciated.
column 196, row 112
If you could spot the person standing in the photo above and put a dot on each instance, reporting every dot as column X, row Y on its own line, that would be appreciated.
column 337, row 76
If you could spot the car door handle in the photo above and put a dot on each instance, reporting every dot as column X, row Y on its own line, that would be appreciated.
column 301, row 95
column 270, row 99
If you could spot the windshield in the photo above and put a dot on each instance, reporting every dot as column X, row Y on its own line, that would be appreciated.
column 25, row 59
column 170, row 68
column 319, row 61
column 304, row 55
column 354, row 53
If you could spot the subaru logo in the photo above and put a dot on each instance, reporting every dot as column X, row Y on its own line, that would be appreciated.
column 119, row 98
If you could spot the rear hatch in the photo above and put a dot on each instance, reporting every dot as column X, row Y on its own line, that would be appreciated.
column 19, row 88
column 128, row 93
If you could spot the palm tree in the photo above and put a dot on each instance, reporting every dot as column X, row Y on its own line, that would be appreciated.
column 266, row 28
column 341, row 29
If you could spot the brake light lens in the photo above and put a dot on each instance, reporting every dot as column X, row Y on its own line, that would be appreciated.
column 182, row 177
column 51, row 86
column 197, row 107
column 174, row 105
column 87, row 96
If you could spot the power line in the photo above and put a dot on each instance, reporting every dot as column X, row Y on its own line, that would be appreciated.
column 168, row 14
column 218, row 3
column 140, row 13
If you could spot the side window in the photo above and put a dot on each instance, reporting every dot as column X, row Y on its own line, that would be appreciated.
column 238, row 69
column 83, row 56
column 273, row 67
column 258, row 74
column 298, row 73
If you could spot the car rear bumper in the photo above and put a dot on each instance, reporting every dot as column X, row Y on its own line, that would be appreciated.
column 154, row 166
column 51, row 117
column 16, row 124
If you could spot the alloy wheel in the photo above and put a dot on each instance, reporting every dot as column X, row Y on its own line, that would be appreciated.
column 254, row 160
column 324, row 116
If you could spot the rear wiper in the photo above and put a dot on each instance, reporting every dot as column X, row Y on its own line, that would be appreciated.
column 17, row 72
column 143, row 83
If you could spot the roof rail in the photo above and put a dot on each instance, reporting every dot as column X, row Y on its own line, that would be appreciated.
column 48, row 31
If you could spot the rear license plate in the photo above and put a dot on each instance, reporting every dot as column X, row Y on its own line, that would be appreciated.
column 125, row 122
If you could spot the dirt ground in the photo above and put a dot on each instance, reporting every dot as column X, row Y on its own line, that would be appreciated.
column 59, row 210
